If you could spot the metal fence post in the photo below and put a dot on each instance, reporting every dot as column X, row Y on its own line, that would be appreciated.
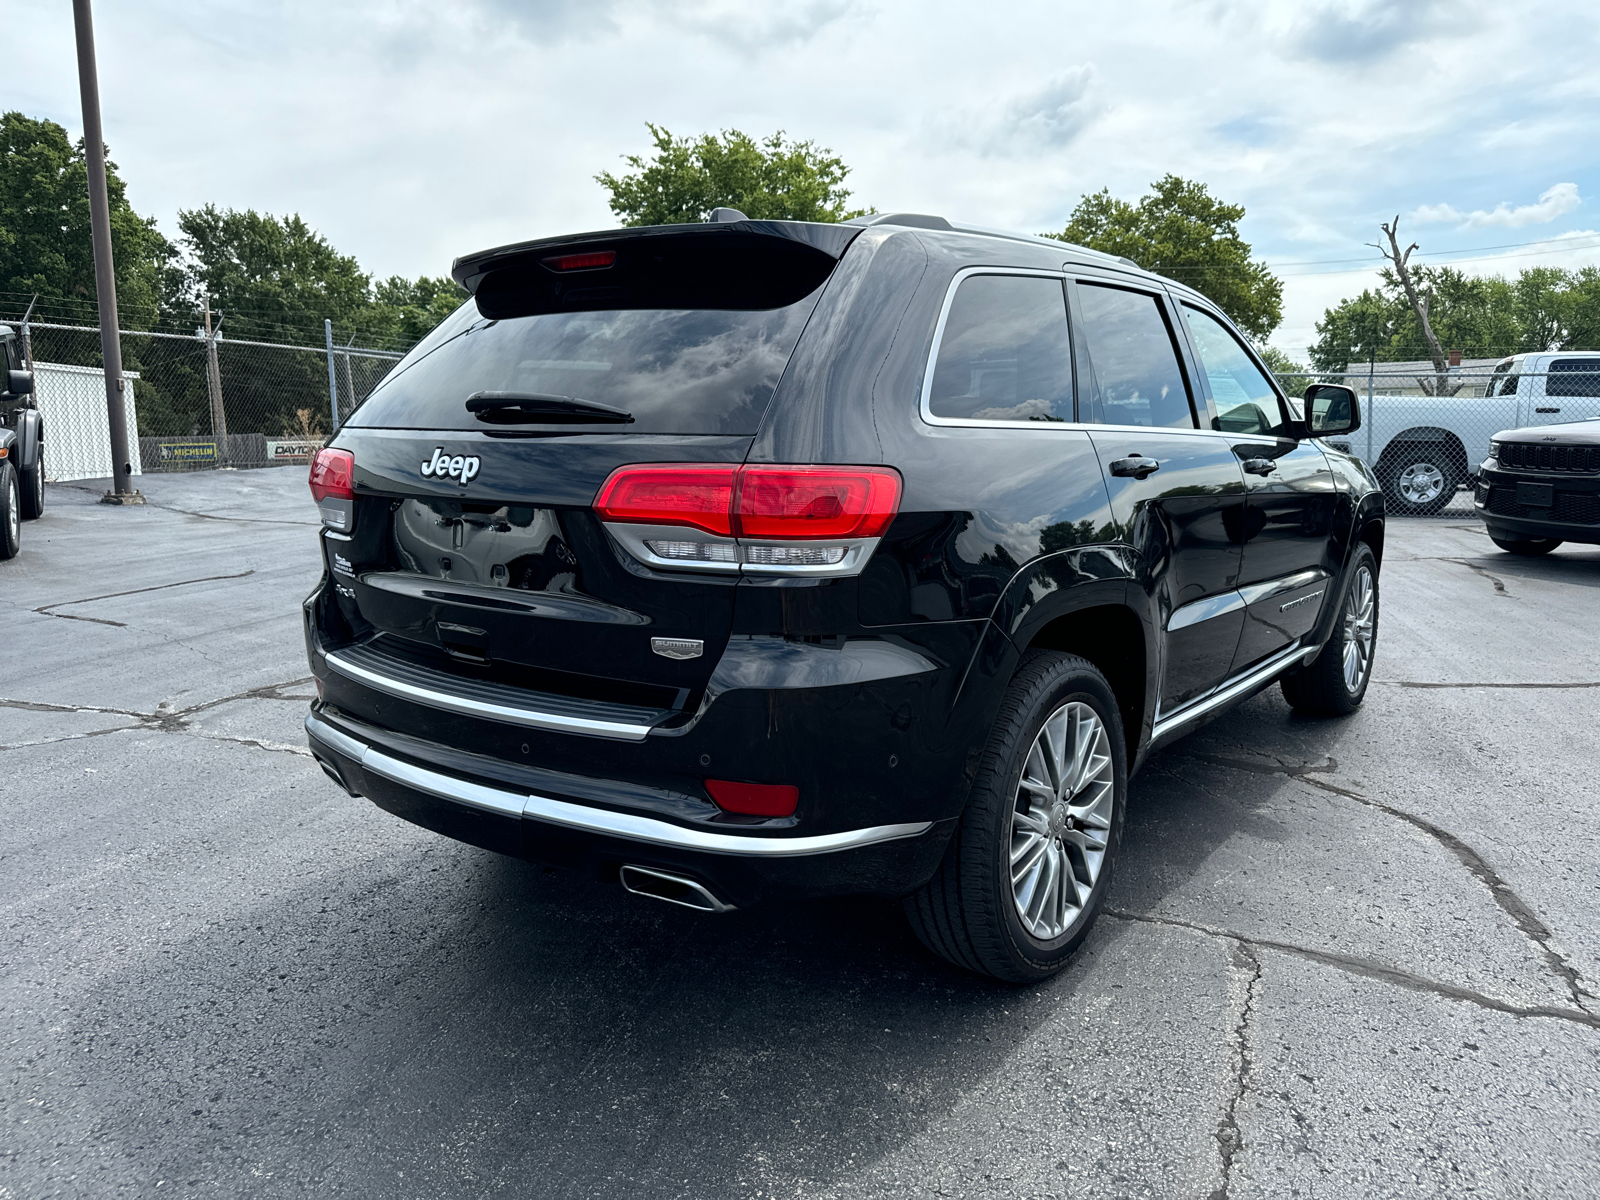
column 219, row 416
column 27, row 333
column 350, row 376
column 333, row 379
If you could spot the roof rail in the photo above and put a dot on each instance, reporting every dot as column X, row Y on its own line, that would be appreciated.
column 910, row 220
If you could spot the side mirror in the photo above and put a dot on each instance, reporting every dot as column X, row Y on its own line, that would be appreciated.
column 1331, row 408
column 20, row 383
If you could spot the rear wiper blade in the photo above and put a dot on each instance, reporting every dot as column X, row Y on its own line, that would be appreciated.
column 541, row 407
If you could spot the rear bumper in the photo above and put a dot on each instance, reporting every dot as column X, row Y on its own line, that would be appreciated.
column 572, row 829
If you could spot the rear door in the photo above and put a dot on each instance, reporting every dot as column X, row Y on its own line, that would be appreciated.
column 476, row 551
column 1571, row 391
column 1284, row 577
column 1177, row 492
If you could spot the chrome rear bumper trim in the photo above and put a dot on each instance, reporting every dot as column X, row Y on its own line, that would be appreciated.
column 466, row 706
column 598, row 820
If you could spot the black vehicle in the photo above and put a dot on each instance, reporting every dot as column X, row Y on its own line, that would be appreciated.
column 1540, row 486
column 752, row 561
column 21, row 447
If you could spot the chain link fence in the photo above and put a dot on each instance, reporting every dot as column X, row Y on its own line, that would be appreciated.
column 1425, row 436
column 202, row 402
column 197, row 402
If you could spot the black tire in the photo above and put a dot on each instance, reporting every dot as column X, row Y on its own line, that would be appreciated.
column 32, row 488
column 969, row 912
column 10, row 512
column 1323, row 688
column 1411, row 471
column 1515, row 543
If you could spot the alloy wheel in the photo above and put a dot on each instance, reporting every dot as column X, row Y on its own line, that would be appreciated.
column 1061, row 820
column 1360, row 624
column 14, row 511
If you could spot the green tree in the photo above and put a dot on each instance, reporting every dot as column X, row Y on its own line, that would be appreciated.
column 273, row 278
column 1293, row 377
column 1183, row 232
column 772, row 179
column 45, row 242
column 406, row 310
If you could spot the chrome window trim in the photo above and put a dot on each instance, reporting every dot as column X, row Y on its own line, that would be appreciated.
column 466, row 706
column 926, row 403
column 630, row 826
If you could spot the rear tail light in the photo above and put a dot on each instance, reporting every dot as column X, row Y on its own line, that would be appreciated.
column 333, row 476
column 754, row 799
column 806, row 519
column 790, row 503
column 696, row 496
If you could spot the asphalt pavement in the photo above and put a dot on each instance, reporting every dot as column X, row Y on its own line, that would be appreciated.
column 1344, row 958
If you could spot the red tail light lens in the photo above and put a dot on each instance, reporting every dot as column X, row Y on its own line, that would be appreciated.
column 773, row 503
column 333, row 473
column 591, row 261
column 803, row 503
column 699, row 496
column 754, row 799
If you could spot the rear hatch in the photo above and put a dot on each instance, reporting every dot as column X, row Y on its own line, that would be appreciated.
column 475, row 560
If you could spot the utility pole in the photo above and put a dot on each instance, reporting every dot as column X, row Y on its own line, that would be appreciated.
column 105, row 280
column 219, row 418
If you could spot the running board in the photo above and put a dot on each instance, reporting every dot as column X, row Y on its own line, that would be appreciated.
column 1170, row 724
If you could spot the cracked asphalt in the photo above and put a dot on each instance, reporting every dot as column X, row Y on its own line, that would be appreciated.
column 1343, row 958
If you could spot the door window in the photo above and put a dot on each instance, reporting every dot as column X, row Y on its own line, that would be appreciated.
column 1004, row 353
column 1246, row 400
column 1134, row 360
column 1573, row 377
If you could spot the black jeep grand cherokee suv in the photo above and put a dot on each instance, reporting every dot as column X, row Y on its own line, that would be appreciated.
column 751, row 560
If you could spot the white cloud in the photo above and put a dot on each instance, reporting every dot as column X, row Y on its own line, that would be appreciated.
column 1044, row 118
column 1554, row 202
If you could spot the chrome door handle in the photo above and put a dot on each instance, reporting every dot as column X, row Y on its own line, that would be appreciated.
column 1135, row 466
column 1259, row 466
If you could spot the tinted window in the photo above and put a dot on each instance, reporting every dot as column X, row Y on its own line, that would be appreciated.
column 1134, row 361
column 676, row 371
column 1004, row 354
column 1573, row 377
column 1246, row 400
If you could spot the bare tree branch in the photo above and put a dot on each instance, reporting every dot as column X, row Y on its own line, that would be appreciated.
column 1419, row 304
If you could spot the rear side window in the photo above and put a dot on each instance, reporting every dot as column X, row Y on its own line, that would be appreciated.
column 1246, row 400
column 1004, row 353
column 695, row 371
column 1134, row 361
column 1573, row 377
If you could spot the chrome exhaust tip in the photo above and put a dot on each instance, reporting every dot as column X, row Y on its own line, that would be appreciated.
column 674, row 889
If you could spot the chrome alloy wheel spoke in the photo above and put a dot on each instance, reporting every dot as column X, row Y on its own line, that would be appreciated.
column 1061, row 820
column 1359, row 628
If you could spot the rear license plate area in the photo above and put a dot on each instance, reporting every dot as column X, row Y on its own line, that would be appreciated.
column 1536, row 495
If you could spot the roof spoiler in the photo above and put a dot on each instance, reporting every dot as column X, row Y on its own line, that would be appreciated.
column 647, row 241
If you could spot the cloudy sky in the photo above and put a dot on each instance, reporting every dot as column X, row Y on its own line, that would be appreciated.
column 408, row 133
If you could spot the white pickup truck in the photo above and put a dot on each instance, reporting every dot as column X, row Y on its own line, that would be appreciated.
column 1423, row 448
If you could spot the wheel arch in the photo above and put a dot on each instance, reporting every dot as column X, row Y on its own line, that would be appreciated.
column 1112, row 637
column 1426, row 435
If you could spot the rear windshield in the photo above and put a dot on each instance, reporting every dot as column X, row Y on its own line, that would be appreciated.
column 700, row 371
